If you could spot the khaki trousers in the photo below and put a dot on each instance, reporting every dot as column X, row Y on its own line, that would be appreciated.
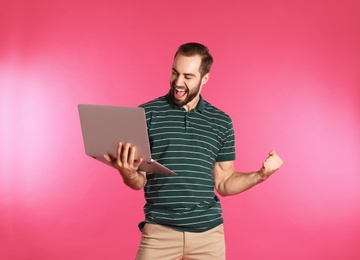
column 162, row 243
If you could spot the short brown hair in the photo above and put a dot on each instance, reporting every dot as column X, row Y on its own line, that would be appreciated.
column 193, row 48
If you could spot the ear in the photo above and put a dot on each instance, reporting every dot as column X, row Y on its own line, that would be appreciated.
column 205, row 78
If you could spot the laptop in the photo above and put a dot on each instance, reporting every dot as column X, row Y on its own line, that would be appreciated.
column 103, row 127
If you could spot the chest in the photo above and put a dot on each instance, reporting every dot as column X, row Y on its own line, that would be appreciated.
column 185, row 132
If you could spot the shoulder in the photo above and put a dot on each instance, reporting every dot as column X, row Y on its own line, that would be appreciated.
column 216, row 113
column 155, row 105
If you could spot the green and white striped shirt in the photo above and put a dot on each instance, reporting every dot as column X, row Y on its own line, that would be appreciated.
column 189, row 143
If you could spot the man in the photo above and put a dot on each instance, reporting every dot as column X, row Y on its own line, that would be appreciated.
column 183, row 216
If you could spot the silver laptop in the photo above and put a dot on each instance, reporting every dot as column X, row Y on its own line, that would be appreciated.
column 103, row 127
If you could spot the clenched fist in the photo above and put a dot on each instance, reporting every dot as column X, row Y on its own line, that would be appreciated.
column 272, row 163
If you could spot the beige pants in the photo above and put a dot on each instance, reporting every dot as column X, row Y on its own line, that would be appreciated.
column 162, row 243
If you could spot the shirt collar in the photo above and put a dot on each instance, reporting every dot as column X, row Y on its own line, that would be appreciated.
column 199, row 107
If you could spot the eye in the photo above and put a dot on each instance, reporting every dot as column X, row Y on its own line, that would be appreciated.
column 189, row 76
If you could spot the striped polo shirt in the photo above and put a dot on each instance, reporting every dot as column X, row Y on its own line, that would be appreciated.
column 189, row 143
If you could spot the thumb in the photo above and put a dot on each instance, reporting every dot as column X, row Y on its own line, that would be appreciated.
column 272, row 152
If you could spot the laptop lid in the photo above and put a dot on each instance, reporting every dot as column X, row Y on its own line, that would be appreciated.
column 103, row 127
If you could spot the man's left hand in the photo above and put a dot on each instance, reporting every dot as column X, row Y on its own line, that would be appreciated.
column 272, row 163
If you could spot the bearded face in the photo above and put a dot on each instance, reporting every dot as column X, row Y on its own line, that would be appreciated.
column 182, row 95
column 186, row 81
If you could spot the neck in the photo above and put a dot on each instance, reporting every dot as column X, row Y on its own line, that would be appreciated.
column 192, row 104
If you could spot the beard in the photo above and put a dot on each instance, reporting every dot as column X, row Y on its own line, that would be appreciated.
column 190, row 94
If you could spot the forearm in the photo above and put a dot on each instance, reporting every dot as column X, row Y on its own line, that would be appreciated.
column 239, row 182
column 135, row 181
column 230, row 182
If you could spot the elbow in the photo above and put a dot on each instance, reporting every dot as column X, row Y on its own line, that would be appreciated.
column 223, row 194
column 222, row 191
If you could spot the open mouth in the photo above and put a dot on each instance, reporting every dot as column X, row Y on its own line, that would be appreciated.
column 179, row 92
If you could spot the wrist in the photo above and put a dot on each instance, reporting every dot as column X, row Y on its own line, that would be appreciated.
column 261, row 176
column 135, row 180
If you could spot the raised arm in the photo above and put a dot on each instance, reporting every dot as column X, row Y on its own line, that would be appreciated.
column 128, row 167
column 230, row 182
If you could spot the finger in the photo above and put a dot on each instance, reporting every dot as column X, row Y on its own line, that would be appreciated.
column 277, row 158
column 118, row 151
column 269, row 159
column 138, row 162
column 132, row 153
column 132, row 158
column 272, row 164
column 111, row 160
column 274, row 155
column 107, row 158
column 125, row 153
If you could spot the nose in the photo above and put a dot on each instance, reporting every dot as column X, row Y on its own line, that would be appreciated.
column 179, row 80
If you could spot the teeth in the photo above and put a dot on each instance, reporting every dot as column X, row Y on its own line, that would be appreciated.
column 180, row 90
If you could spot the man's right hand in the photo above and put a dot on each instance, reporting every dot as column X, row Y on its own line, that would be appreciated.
column 128, row 167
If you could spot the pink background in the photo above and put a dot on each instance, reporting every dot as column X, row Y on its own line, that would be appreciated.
column 287, row 72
